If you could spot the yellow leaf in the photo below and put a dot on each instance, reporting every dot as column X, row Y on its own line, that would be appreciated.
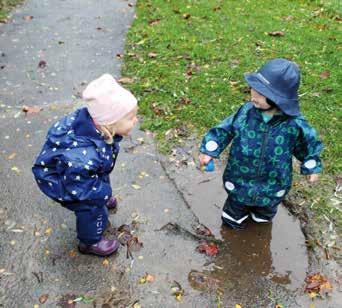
column 15, row 169
column 238, row 306
column 135, row 186
column 105, row 262
column 312, row 294
column 136, row 305
column 48, row 231
column 142, row 280
column 179, row 297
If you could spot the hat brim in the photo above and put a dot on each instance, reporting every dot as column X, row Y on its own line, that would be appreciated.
column 287, row 105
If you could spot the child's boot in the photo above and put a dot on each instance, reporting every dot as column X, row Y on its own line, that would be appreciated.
column 112, row 203
column 102, row 248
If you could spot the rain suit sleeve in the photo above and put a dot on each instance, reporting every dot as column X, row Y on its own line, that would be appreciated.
column 308, row 148
column 83, row 182
column 219, row 137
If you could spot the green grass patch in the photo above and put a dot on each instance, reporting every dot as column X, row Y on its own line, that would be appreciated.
column 188, row 58
column 6, row 6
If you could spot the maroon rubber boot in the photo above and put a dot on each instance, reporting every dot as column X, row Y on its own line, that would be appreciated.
column 102, row 248
column 112, row 203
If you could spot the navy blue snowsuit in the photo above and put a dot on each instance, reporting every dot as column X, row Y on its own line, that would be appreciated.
column 73, row 169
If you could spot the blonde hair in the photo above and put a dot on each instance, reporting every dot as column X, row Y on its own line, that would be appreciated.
column 108, row 132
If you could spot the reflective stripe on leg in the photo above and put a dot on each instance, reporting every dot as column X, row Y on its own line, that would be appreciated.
column 225, row 215
column 256, row 219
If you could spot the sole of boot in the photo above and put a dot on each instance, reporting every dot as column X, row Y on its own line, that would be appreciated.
column 84, row 252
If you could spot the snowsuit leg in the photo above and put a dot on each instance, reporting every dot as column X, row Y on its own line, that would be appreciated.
column 91, row 221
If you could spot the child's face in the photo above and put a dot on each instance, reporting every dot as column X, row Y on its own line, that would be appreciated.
column 258, row 100
column 125, row 125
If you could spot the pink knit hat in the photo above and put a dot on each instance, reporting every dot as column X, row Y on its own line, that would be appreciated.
column 107, row 101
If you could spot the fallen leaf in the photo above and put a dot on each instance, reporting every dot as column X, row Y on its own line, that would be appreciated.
column 150, row 278
column 136, row 186
column 73, row 253
column 238, row 306
column 105, row 262
column 43, row 298
column 203, row 230
column 152, row 55
column 154, row 22
column 276, row 33
column 126, row 80
column 186, row 16
column 119, row 56
column 177, row 290
column 42, row 64
column 31, row 109
column 136, row 305
column 325, row 74
column 28, row 18
column 12, row 156
column 48, row 231
column 15, row 169
column 317, row 283
column 210, row 249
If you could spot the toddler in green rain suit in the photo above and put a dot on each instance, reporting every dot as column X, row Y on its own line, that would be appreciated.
column 265, row 134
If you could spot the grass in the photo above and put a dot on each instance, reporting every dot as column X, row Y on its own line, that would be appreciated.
column 187, row 60
column 6, row 6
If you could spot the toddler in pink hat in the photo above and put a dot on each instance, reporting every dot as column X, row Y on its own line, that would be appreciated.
column 78, row 156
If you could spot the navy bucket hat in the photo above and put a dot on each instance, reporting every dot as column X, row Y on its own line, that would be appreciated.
column 278, row 80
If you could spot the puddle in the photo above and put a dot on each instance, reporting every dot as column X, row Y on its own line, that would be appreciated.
column 262, row 257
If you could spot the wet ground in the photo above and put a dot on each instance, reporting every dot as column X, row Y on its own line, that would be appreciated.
column 267, row 263
column 164, row 199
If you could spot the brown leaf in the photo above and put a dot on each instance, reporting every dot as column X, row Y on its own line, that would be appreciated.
column 317, row 283
column 154, row 22
column 184, row 101
column 130, row 4
column 42, row 64
column 43, row 298
column 126, row 80
column 31, row 109
column 325, row 74
column 186, row 16
column 321, row 26
column 276, row 33
column 28, row 18
column 157, row 110
column 203, row 230
column 12, row 156
column 120, row 56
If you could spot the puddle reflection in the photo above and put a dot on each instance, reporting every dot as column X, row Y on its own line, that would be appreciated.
column 258, row 257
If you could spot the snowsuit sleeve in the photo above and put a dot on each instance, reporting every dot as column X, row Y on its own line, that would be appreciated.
column 83, row 181
column 308, row 148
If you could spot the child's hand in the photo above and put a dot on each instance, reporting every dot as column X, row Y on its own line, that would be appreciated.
column 204, row 159
column 311, row 178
